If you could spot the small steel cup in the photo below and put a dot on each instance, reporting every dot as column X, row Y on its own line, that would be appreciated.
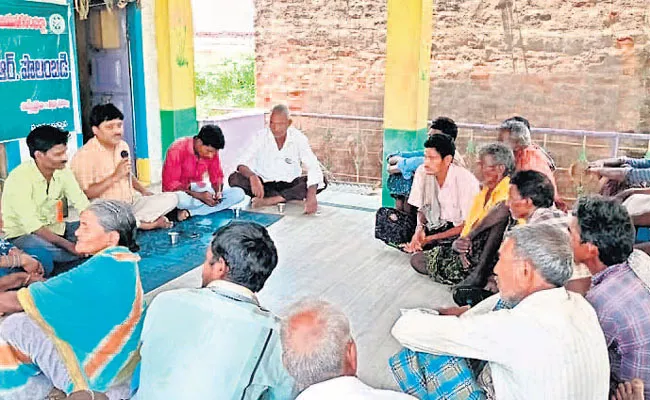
column 173, row 237
column 236, row 212
column 281, row 207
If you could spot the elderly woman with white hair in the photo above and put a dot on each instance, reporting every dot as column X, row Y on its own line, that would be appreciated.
column 515, row 132
column 79, row 330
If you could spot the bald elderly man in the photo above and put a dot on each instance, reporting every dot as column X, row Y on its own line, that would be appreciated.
column 320, row 354
column 271, row 170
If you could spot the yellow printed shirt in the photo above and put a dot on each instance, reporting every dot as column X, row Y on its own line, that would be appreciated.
column 482, row 206
column 28, row 204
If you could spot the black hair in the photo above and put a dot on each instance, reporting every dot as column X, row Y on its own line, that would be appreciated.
column 535, row 186
column 44, row 137
column 104, row 112
column 606, row 224
column 211, row 135
column 518, row 119
column 443, row 144
column 248, row 251
column 445, row 125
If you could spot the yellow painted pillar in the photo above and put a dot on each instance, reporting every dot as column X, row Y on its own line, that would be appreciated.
column 406, row 98
column 175, row 45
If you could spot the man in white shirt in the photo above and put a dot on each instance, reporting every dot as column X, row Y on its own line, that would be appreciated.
column 320, row 354
column 271, row 172
column 549, row 345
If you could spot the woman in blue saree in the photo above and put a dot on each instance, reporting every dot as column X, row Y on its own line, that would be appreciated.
column 79, row 331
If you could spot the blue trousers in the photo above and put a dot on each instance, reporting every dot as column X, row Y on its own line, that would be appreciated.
column 45, row 251
column 231, row 196
column 411, row 160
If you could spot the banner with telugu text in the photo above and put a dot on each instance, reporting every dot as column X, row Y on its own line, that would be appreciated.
column 35, row 67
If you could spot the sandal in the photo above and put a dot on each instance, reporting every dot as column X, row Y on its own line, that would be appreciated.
column 469, row 295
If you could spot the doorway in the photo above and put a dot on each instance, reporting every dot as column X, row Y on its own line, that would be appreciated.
column 105, row 68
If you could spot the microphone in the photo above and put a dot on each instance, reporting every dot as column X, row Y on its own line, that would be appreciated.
column 125, row 154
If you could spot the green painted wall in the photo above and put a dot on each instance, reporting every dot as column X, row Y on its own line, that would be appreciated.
column 399, row 140
column 176, row 124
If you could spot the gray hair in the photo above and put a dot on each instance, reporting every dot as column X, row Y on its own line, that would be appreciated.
column 317, row 353
column 280, row 109
column 547, row 248
column 116, row 216
column 519, row 132
column 501, row 154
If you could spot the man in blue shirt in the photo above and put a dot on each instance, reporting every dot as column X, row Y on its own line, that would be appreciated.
column 217, row 342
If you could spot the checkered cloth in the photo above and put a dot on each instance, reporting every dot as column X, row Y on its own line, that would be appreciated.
column 436, row 377
column 428, row 376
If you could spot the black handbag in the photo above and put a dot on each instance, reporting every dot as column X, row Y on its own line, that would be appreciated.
column 394, row 227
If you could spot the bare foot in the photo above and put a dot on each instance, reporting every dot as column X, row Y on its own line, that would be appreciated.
column 182, row 215
column 160, row 223
column 632, row 390
column 392, row 169
column 257, row 202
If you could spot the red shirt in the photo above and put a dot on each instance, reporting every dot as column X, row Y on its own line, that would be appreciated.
column 183, row 166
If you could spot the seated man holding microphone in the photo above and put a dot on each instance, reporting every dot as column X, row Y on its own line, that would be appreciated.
column 103, row 169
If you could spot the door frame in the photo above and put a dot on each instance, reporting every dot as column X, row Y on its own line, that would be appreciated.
column 135, row 37
column 134, row 48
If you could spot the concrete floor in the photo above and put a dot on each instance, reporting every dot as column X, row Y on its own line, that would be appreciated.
column 334, row 256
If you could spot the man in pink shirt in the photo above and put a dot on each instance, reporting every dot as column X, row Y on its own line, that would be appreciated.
column 443, row 193
column 192, row 169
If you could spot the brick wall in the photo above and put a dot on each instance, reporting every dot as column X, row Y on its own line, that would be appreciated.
column 574, row 64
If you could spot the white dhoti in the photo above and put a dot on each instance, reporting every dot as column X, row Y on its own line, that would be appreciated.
column 150, row 208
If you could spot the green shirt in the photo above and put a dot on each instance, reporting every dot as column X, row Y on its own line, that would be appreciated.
column 28, row 204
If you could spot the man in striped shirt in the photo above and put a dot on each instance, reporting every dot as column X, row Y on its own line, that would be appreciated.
column 531, row 198
column 602, row 237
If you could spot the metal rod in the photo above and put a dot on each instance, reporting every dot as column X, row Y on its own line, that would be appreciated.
column 552, row 131
column 354, row 176
column 617, row 142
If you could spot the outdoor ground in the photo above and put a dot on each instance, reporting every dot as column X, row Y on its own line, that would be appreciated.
column 335, row 257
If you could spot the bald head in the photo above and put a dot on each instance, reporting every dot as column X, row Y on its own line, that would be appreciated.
column 317, row 345
column 280, row 109
column 279, row 121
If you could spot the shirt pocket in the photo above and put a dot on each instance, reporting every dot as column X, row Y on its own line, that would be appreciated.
column 55, row 192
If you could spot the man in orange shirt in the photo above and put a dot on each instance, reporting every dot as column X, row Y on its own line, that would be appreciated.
column 515, row 132
column 103, row 169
